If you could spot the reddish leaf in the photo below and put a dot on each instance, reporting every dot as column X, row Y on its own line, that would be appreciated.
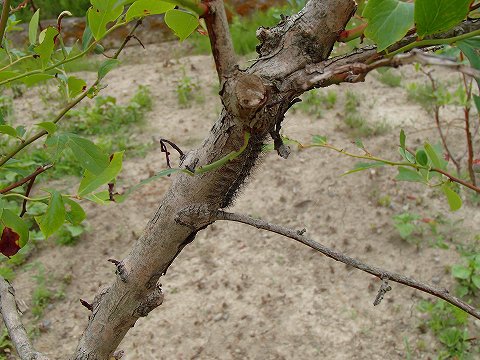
column 9, row 244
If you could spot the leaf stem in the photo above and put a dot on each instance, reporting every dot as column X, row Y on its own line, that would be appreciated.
column 432, row 42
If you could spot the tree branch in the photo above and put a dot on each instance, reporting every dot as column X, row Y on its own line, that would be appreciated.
column 220, row 39
column 26, row 179
column 16, row 330
column 338, row 256
column 4, row 19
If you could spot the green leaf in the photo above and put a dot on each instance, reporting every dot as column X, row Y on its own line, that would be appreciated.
column 86, row 38
column 461, row 272
column 476, row 100
column 106, row 67
column 388, row 21
column 181, row 22
column 8, row 130
column 434, row 16
column 92, row 182
column 403, row 138
column 364, row 166
column 33, row 27
column 13, row 221
column 100, row 14
column 469, row 47
column 5, row 75
column 406, row 155
column 454, row 200
column 75, row 86
column 75, row 215
column 48, row 126
column 143, row 8
column 319, row 140
column 421, row 157
column 433, row 156
column 54, row 216
column 36, row 78
column 47, row 44
column 100, row 198
column 89, row 155
column 406, row 174
column 476, row 281
column 359, row 144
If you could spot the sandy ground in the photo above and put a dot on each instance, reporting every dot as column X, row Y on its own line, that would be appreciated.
column 240, row 293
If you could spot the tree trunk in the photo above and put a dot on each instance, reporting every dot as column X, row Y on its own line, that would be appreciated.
column 255, row 101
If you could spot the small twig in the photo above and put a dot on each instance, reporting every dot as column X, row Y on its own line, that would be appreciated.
column 27, row 193
column 338, row 256
column 20, row 6
column 16, row 330
column 40, row 170
column 164, row 149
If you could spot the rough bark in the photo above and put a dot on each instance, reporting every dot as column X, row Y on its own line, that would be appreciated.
column 254, row 100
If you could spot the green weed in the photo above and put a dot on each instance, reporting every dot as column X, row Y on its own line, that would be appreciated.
column 416, row 229
column 187, row 91
column 315, row 101
column 6, row 109
column 43, row 294
column 69, row 234
column 357, row 125
column 389, row 77
column 449, row 324
column 468, row 274
column 6, row 345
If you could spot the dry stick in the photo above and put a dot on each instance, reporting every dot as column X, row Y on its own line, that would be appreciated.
column 20, row 182
column 338, row 256
column 16, row 330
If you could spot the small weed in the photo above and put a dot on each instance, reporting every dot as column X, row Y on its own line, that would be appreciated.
column 449, row 324
column 43, row 295
column 414, row 228
column 468, row 274
column 69, row 234
column 389, row 77
column 6, row 345
column 6, row 109
column 384, row 201
column 314, row 101
column 357, row 125
column 188, row 91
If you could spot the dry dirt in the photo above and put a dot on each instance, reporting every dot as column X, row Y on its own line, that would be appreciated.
column 240, row 293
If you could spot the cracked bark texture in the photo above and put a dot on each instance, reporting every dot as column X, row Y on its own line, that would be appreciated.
column 254, row 101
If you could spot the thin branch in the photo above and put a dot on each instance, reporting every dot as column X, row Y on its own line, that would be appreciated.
column 16, row 330
column 338, row 256
column 220, row 38
column 438, row 124
column 4, row 19
column 20, row 182
column 457, row 180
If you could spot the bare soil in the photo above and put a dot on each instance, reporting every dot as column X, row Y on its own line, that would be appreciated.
column 240, row 293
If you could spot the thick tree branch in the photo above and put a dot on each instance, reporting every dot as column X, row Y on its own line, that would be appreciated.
column 338, row 256
column 256, row 109
column 220, row 39
column 16, row 330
